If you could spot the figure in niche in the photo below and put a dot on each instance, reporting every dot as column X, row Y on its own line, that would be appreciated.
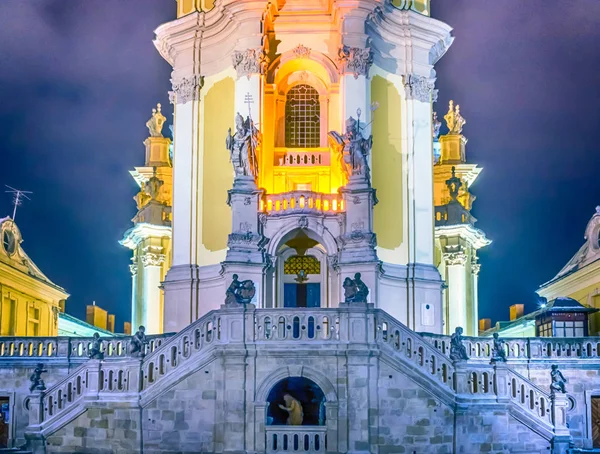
column 96, row 348
column 458, row 352
column 498, row 350
column 37, row 384
column 242, row 147
column 558, row 381
column 294, row 409
column 353, row 148
column 138, row 343
column 355, row 290
column 239, row 292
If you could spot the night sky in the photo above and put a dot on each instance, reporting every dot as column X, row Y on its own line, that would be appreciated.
column 78, row 80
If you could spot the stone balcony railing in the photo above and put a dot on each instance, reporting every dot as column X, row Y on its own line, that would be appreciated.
column 425, row 358
column 523, row 349
column 290, row 439
column 69, row 349
column 302, row 157
column 301, row 202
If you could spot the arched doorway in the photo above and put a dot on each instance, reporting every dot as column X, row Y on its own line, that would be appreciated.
column 306, row 392
column 302, row 271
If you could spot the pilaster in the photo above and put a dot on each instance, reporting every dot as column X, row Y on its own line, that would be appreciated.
column 457, row 290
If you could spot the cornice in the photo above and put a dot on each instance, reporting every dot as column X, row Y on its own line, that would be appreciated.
column 475, row 237
column 142, row 231
column 27, row 284
column 570, row 283
column 466, row 172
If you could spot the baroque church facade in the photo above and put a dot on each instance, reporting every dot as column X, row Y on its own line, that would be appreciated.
column 311, row 232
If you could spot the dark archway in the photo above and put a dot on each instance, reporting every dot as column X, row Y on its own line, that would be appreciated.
column 306, row 391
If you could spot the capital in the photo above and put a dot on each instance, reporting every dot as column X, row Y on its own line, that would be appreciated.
column 355, row 60
column 250, row 61
column 186, row 89
column 152, row 259
column 420, row 88
column 133, row 268
column 475, row 268
column 455, row 258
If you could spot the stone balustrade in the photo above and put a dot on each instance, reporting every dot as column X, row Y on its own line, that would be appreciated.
column 294, row 439
column 523, row 349
column 280, row 325
column 69, row 348
column 302, row 202
column 302, row 158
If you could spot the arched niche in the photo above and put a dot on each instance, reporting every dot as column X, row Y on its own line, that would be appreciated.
column 302, row 389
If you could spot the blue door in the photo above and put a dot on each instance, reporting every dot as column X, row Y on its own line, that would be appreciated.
column 301, row 295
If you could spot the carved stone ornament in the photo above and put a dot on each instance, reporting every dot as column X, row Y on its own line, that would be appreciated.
column 301, row 51
column 455, row 258
column 303, row 222
column 156, row 122
column 476, row 268
column 355, row 60
column 133, row 268
column 250, row 61
column 153, row 259
column 419, row 88
column 186, row 89
column 454, row 120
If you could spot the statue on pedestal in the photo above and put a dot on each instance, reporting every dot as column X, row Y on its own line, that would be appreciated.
column 95, row 351
column 454, row 120
column 239, row 292
column 458, row 352
column 138, row 343
column 294, row 408
column 353, row 148
column 498, row 350
column 156, row 122
column 355, row 290
column 242, row 147
column 558, row 380
column 37, row 384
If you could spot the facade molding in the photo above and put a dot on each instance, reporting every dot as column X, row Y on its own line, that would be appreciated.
column 455, row 258
column 420, row 88
column 186, row 89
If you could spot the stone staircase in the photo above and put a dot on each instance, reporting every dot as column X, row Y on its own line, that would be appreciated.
column 425, row 359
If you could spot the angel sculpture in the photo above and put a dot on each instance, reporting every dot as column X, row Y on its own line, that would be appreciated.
column 242, row 146
column 353, row 148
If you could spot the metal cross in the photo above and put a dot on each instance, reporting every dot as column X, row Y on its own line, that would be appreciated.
column 18, row 197
column 248, row 100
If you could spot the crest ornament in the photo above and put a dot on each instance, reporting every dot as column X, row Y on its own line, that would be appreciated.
column 301, row 51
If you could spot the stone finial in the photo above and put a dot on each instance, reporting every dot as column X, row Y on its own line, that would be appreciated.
column 454, row 120
column 458, row 351
column 156, row 122
column 558, row 381
column 37, row 384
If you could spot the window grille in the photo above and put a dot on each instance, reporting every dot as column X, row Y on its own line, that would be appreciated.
column 302, row 117
column 308, row 263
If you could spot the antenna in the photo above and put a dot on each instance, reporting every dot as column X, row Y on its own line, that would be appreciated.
column 18, row 196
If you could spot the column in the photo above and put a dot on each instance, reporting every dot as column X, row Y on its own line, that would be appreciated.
column 474, row 329
column 424, row 296
column 134, row 295
column 181, row 282
column 457, row 289
column 151, row 316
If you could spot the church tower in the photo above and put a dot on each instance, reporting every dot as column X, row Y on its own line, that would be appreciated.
column 150, row 237
column 326, row 170
column 456, row 239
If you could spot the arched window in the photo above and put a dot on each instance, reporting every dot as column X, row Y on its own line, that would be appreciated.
column 302, row 117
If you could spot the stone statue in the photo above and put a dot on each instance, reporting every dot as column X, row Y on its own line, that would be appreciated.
column 458, row 352
column 142, row 198
column 436, row 126
column 37, row 384
column 153, row 185
column 558, row 380
column 95, row 351
column 355, row 290
column 354, row 149
column 156, row 122
column 294, row 408
column 242, row 147
column 498, row 350
column 139, row 342
column 454, row 119
column 239, row 292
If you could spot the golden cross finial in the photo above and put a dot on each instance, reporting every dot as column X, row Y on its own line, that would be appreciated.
column 454, row 119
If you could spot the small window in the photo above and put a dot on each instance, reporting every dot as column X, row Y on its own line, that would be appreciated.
column 302, row 117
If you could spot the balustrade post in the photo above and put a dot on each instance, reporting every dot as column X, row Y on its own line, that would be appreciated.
column 63, row 347
column 560, row 405
column 461, row 380
column 534, row 348
column 36, row 411
column 93, row 384
column 501, row 382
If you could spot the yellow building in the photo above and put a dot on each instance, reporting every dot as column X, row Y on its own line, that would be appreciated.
column 580, row 277
column 456, row 238
column 30, row 302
